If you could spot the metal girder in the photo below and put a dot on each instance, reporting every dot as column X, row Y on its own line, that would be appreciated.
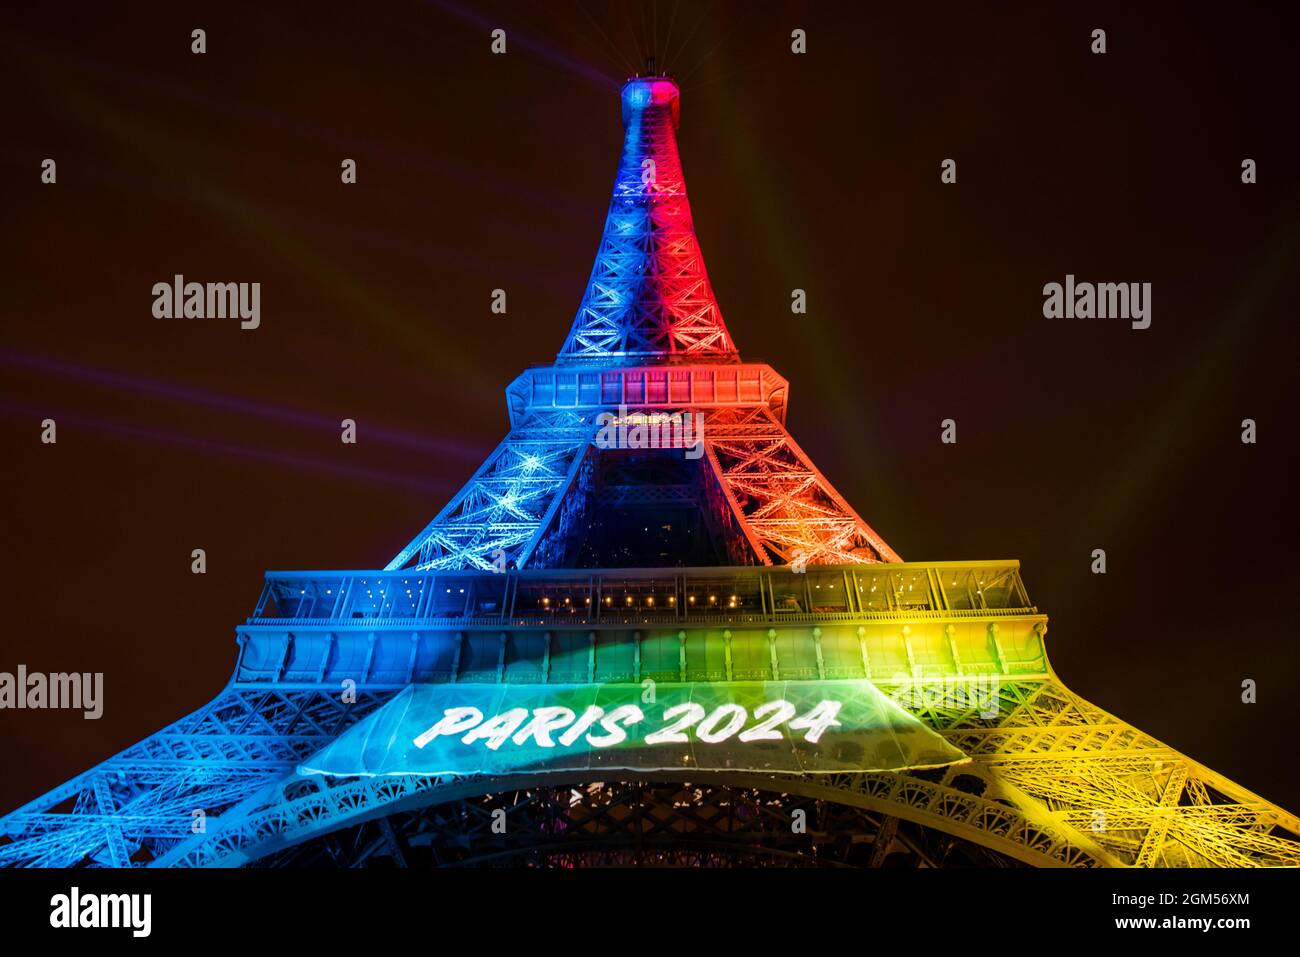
column 649, row 292
column 1069, row 802
column 140, row 803
column 1051, row 780
column 494, row 521
column 788, row 508
column 628, row 823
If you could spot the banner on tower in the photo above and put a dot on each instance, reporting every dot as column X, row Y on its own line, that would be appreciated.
column 806, row 727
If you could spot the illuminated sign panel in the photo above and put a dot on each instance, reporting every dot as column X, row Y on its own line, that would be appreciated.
column 807, row 727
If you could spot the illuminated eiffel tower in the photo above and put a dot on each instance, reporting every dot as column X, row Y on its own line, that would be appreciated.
column 585, row 560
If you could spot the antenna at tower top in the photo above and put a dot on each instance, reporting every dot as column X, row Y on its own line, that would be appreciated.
column 650, row 66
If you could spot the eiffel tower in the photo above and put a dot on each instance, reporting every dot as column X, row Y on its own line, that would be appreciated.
column 574, row 567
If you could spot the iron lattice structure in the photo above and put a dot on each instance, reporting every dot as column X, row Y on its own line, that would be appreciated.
column 512, row 583
column 649, row 296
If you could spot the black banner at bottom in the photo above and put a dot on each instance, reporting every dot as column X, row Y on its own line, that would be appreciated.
column 216, row 907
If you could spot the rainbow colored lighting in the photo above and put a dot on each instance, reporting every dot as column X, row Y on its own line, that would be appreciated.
column 648, row 338
column 649, row 295
column 505, row 653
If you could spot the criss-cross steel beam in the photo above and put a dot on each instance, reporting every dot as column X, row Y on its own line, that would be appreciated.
column 1049, row 780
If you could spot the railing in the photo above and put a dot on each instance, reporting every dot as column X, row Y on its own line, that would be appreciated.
column 717, row 384
column 663, row 597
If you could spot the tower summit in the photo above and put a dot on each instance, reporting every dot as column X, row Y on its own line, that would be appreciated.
column 649, row 296
column 648, row 344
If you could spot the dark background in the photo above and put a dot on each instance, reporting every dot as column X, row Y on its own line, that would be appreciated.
column 818, row 171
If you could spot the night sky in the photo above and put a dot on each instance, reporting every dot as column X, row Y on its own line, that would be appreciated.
column 818, row 172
